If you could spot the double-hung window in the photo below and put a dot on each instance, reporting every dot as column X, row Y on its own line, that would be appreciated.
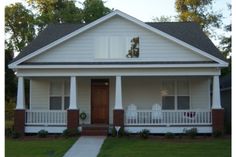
column 175, row 95
column 59, row 95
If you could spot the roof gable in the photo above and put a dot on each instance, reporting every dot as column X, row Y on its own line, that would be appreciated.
column 63, row 32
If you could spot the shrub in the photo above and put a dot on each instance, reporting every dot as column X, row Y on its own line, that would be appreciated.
column 70, row 132
column 192, row 133
column 121, row 132
column 8, row 132
column 15, row 134
column 113, row 132
column 144, row 133
column 42, row 133
column 170, row 135
column 217, row 133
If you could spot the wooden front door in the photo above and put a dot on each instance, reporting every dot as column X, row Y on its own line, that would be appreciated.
column 100, row 101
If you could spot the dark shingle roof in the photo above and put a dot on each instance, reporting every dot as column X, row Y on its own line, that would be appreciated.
column 186, row 31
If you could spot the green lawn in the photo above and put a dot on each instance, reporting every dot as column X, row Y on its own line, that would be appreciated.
column 131, row 147
column 38, row 148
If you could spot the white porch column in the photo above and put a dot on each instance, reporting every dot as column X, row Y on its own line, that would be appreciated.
column 216, row 103
column 118, row 94
column 20, row 103
column 73, row 93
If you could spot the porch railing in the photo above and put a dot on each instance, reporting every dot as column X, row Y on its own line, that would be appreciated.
column 168, row 117
column 45, row 117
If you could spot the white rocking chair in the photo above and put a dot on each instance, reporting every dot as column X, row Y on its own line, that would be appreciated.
column 156, row 113
column 132, row 114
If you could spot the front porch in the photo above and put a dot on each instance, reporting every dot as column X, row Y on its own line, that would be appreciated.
column 157, row 105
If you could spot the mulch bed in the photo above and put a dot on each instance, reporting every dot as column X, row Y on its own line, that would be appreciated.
column 34, row 137
column 178, row 138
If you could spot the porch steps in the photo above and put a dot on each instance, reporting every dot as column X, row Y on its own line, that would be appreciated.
column 94, row 130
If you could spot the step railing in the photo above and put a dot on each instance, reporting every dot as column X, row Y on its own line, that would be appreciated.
column 168, row 117
column 45, row 117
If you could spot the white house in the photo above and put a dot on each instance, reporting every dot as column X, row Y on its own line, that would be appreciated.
column 120, row 71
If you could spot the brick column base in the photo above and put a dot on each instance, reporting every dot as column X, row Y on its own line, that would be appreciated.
column 72, row 119
column 218, row 120
column 118, row 117
column 19, row 121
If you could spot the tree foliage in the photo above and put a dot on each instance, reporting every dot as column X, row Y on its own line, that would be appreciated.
column 94, row 9
column 19, row 26
column 199, row 11
column 226, row 45
column 55, row 11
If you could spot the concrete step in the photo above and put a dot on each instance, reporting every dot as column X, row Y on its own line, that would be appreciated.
column 94, row 132
column 94, row 127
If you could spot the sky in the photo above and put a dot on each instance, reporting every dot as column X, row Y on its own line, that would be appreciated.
column 146, row 10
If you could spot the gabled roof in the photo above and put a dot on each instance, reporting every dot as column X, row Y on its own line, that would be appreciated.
column 185, row 33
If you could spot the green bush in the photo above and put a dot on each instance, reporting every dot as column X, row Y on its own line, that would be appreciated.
column 9, row 110
column 8, row 132
column 170, row 135
column 70, row 132
column 15, row 134
column 192, row 133
column 144, row 133
column 113, row 132
column 217, row 134
column 42, row 133
column 121, row 132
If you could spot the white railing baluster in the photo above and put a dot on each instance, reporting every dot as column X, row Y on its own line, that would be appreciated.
column 45, row 117
column 166, row 117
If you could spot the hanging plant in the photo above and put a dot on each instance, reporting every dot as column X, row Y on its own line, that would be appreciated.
column 83, row 115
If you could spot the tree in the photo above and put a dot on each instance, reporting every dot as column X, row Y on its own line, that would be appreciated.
column 199, row 11
column 19, row 26
column 225, row 46
column 164, row 19
column 55, row 11
column 94, row 9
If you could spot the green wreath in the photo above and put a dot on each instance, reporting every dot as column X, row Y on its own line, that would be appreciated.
column 83, row 115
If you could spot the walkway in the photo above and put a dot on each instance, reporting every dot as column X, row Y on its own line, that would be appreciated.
column 86, row 146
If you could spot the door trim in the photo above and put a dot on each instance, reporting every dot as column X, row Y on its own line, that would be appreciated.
column 98, row 82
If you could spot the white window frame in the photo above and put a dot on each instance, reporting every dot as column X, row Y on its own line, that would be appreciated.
column 62, row 95
column 176, row 93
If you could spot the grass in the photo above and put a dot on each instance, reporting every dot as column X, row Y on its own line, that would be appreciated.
column 134, row 147
column 38, row 148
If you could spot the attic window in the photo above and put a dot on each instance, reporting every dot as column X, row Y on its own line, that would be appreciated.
column 134, row 48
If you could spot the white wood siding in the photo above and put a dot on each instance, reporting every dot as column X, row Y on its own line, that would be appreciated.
column 84, row 97
column 39, row 94
column 200, row 93
column 152, row 46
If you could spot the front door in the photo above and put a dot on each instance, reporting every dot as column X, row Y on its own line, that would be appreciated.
column 100, row 101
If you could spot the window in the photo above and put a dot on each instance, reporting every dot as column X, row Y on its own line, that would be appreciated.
column 183, row 98
column 168, row 95
column 175, row 95
column 59, row 95
column 116, row 47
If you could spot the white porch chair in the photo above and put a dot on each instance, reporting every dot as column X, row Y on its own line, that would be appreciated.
column 132, row 114
column 156, row 113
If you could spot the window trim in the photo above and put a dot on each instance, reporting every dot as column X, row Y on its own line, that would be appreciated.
column 176, row 93
column 62, row 95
